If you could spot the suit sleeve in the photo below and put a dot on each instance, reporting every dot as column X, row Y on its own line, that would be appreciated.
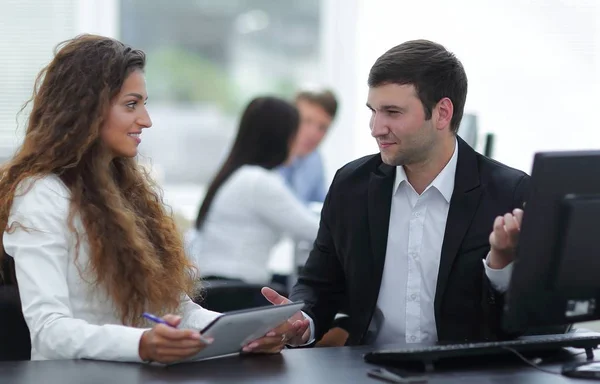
column 321, row 283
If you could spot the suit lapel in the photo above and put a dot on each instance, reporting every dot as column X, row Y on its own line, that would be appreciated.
column 463, row 205
column 381, row 183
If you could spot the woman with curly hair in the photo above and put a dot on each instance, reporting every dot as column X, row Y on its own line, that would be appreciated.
column 91, row 246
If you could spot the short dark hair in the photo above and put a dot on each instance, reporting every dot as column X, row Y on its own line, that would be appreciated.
column 324, row 99
column 433, row 71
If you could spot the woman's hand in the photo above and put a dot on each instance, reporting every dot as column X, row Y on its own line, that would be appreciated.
column 167, row 344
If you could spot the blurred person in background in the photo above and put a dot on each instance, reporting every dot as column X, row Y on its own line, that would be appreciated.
column 305, row 174
column 248, row 207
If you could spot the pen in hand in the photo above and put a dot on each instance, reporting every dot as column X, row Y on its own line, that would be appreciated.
column 158, row 320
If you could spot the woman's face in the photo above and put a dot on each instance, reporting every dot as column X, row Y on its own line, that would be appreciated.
column 127, row 117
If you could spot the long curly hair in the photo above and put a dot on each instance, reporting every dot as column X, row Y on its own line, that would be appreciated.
column 136, row 251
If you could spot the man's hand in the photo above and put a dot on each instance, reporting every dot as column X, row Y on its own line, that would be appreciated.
column 166, row 344
column 295, row 331
column 504, row 239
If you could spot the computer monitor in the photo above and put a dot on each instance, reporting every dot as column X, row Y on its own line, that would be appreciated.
column 556, row 275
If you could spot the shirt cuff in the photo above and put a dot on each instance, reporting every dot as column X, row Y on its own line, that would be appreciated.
column 311, row 339
column 499, row 278
column 131, row 343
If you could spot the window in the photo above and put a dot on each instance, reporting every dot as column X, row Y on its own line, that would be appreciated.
column 30, row 30
column 206, row 60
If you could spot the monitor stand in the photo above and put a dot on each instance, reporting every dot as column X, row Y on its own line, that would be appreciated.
column 589, row 369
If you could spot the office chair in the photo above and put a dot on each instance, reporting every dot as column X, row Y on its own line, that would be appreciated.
column 15, row 343
column 225, row 295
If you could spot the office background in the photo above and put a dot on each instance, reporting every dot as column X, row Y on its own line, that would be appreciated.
column 533, row 69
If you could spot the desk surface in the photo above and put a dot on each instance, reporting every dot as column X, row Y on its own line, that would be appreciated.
column 318, row 365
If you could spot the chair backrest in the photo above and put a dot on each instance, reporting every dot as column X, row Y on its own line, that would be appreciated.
column 222, row 295
column 230, row 295
column 15, row 342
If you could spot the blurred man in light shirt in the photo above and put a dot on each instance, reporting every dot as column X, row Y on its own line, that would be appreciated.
column 305, row 174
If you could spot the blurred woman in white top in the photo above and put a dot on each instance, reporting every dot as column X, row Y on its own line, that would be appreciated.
column 89, row 243
column 248, row 207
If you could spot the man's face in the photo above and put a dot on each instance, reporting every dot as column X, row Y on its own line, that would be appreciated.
column 398, row 124
column 314, row 123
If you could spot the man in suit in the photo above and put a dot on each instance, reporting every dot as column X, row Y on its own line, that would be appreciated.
column 404, row 244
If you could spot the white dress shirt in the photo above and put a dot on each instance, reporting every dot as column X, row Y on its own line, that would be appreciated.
column 415, row 236
column 66, row 316
column 250, row 213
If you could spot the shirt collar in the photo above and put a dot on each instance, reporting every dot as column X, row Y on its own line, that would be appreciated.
column 443, row 182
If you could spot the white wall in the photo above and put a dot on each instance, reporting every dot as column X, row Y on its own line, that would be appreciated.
column 100, row 17
column 531, row 68
column 339, row 52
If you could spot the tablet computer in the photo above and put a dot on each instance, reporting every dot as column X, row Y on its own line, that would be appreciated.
column 233, row 330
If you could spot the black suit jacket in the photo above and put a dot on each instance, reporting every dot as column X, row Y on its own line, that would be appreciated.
column 345, row 267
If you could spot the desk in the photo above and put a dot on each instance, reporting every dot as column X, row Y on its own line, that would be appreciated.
column 318, row 365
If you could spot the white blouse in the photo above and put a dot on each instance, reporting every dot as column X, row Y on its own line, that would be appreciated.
column 66, row 318
column 250, row 213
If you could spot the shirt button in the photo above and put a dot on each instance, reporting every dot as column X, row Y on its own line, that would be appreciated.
column 413, row 297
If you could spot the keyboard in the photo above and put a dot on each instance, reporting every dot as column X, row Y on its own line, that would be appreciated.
column 433, row 353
